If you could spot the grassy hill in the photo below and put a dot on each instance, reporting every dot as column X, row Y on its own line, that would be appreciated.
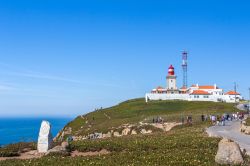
column 137, row 110
column 183, row 145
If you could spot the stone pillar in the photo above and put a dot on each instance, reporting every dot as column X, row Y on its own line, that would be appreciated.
column 45, row 139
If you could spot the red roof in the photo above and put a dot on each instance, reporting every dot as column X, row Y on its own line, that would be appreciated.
column 171, row 67
column 232, row 93
column 159, row 87
column 206, row 87
column 200, row 92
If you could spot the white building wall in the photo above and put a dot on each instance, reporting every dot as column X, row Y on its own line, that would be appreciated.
column 152, row 96
column 231, row 98
column 187, row 97
column 217, row 95
column 214, row 98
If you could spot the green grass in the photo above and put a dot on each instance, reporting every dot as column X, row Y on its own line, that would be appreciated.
column 15, row 149
column 134, row 111
column 248, row 121
column 184, row 145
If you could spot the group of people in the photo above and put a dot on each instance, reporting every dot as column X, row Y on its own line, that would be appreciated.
column 220, row 120
column 158, row 120
column 215, row 119
column 189, row 120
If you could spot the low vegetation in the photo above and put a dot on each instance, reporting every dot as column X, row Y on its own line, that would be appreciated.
column 184, row 145
column 248, row 121
column 137, row 110
column 15, row 149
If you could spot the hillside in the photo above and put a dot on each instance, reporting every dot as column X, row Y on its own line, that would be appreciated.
column 137, row 110
column 183, row 145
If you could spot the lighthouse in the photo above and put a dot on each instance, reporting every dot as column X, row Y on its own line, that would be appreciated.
column 171, row 81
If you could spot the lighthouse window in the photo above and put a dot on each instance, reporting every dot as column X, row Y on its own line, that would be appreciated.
column 171, row 80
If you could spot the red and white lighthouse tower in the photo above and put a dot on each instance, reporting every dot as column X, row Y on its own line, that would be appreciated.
column 171, row 81
column 171, row 71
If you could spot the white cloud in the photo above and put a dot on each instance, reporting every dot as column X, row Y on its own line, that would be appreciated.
column 21, row 72
column 58, row 78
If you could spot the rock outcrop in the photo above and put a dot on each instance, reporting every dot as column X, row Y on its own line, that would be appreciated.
column 126, row 131
column 108, row 135
column 144, row 131
column 244, row 128
column 166, row 126
column 65, row 145
column 116, row 134
column 63, row 149
column 133, row 132
column 123, row 130
column 229, row 153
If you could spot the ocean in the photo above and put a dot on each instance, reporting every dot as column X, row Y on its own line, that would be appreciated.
column 13, row 130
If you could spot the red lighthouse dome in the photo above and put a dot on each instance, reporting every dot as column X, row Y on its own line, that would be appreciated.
column 171, row 70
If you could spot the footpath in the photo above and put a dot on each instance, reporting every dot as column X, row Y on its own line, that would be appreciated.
column 231, row 131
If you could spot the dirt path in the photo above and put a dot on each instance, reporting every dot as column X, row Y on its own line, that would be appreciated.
column 24, row 156
column 231, row 131
column 83, row 154
column 34, row 155
column 107, row 116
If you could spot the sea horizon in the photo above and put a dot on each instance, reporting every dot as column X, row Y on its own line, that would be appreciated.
column 26, row 129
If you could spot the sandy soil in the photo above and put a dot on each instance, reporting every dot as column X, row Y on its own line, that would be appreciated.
column 24, row 156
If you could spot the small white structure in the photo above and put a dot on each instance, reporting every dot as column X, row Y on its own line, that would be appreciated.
column 45, row 139
column 193, row 93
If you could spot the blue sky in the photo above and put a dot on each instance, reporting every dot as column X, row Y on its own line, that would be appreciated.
column 64, row 58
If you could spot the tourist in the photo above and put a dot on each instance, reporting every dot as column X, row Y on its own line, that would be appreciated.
column 202, row 118
column 206, row 117
column 223, row 121
column 213, row 119
column 189, row 120
column 182, row 120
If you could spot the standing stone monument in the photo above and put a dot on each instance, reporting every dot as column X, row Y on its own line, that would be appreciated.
column 45, row 139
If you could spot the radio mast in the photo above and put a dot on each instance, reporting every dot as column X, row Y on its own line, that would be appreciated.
column 185, row 68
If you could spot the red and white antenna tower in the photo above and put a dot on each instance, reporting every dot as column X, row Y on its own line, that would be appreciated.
column 185, row 68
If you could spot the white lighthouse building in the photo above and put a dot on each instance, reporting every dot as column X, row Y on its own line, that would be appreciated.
column 193, row 93
column 171, row 81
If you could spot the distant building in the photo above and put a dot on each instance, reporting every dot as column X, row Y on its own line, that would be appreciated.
column 193, row 93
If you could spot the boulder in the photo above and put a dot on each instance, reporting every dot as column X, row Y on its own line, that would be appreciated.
column 45, row 140
column 133, row 132
column 245, row 129
column 126, row 131
column 108, row 135
column 229, row 153
column 144, row 131
column 117, row 134
column 57, row 149
column 65, row 145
